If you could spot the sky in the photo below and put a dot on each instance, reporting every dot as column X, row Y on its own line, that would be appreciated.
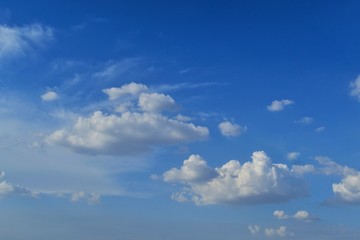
column 171, row 120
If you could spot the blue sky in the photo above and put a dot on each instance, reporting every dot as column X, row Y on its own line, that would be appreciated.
column 179, row 120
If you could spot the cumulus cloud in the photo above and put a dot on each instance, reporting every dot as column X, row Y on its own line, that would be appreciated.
column 273, row 232
column 125, row 129
column 293, row 155
column 155, row 102
column 280, row 214
column 255, row 182
column 127, row 89
column 125, row 134
column 17, row 41
column 194, row 169
column 277, row 105
column 229, row 129
column 49, row 96
column 348, row 190
column 301, row 215
column 355, row 88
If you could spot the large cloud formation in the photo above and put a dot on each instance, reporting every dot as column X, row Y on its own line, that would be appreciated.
column 131, row 131
column 255, row 182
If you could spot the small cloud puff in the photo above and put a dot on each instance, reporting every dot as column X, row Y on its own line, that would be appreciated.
column 320, row 129
column 293, row 155
column 305, row 120
column 229, row 129
column 49, row 96
column 277, row 105
column 355, row 88
column 273, row 232
column 301, row 215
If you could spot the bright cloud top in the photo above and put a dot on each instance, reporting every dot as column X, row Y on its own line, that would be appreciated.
column 49, row 96
column 277, row 105
column 15, row 41
column 127, row 89
column 129, row 132
column 229, row 129
column 355, row 88
column 255, row 182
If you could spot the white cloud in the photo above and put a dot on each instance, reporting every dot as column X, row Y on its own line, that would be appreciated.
column 155, row 102
column 305, row 120
column 125, row 130
column 277, row 105
column 127, row 89
column 355, row 88
column 49, row 96
column 255, row 182
column 280, row 214
column 16, row 41
column 125, row 134
column 348, row 190
column 194, row 169
column 254, row 229
column 293, row 155
column 229, row 129
column 273, row 232
column 7, row 188
column 320, row 129
column 302, row 215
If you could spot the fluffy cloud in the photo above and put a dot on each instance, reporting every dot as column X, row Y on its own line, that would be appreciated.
column 229, row 129
column 49, row 96
column 194, row 169
column 255, row 182
column 277, row 105
column 125, row 130
column 355, row 88
column 15, row 41
column 273, row 232
column 127, row 89
column 280, row 214
column 348, row 190
column 155, row 102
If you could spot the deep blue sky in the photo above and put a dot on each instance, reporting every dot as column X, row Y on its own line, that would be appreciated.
column 179, row 120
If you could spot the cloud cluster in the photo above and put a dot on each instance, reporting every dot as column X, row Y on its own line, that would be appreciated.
column 7, row 188
column 127, row 131
column 270, row 232
column 301, row 215
column 17, row 41
column 277, row 105
column 229, row 129
column 254, row 182
column 355, row 88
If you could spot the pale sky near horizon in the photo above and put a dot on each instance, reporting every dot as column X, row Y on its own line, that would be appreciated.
column 175, row 120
